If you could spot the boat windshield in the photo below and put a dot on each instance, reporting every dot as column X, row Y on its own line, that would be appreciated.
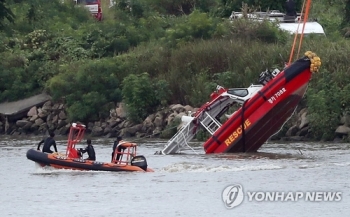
column 238, row 92
column 124, row 152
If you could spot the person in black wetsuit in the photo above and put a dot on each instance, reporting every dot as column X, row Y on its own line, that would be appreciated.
column 48, row 142
column 90, row 150
column 290, row 8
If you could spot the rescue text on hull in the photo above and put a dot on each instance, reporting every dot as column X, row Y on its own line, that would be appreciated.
column 263, row 109
column 124, row 156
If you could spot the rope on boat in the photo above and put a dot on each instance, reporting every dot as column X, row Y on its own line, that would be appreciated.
column 193, row 150
column 306, row 6
column 306, row 17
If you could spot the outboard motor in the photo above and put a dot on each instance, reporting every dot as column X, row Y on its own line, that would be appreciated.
column 265, row 77
column 139, row 161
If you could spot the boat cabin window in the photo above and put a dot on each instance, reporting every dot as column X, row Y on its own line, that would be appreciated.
column 238, row 92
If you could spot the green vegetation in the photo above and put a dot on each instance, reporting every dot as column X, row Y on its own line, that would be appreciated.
column 150, row 53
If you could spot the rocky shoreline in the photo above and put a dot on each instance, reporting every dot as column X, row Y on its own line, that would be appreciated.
column 52, row 117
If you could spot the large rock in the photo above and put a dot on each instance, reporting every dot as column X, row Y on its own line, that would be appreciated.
column 104, row 124
column 178, row 108
column 156, row 131
column 33, row 118
column 55, row 107
column 128, row 124
column 47, row 106
column 343, row 130
column 90, row 125
column 39, row 121
column 140, row 135
column 107, row 130
column 97, row 124
column 292, row 131
column 170, row 118
column 161, row 114
column 27, row 127
column 43, row 113
column 55, row 119
column 22, row 123
column 61, row 123
column 34, row 128
column 112, row 134
column 148, row 124
column 158, row 122
column 113, row 113
column 62, row 115
column 131, row 131
column 113, row 122
column 302, row 111
column 97, row 131
column 115, row 130
column 63, row 130
column 43, row 128
column 303, row 132
column 304, row 120
column 33, row 111
column 188, row 108
column 149, row 119
column 49, row 117
column 52, row 127
column 121, row 111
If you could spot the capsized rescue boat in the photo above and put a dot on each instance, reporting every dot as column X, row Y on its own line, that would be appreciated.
column 72, row 159
column 263, row 109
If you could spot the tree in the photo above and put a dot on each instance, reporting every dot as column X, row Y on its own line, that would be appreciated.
column 5, row 13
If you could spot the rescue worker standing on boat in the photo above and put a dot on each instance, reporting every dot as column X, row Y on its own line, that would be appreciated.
column 117, row 146
column 290, row 8
column 48, row 142
column 90, row 151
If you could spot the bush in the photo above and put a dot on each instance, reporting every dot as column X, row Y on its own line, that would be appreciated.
column 91, row 86
column 197, row 26
column 264, row 31
column 324, row 112
column 142, row 97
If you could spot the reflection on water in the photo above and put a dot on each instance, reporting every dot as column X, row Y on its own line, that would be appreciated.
column 186, row 184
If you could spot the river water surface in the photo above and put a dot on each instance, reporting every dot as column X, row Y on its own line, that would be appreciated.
column 188, row 184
